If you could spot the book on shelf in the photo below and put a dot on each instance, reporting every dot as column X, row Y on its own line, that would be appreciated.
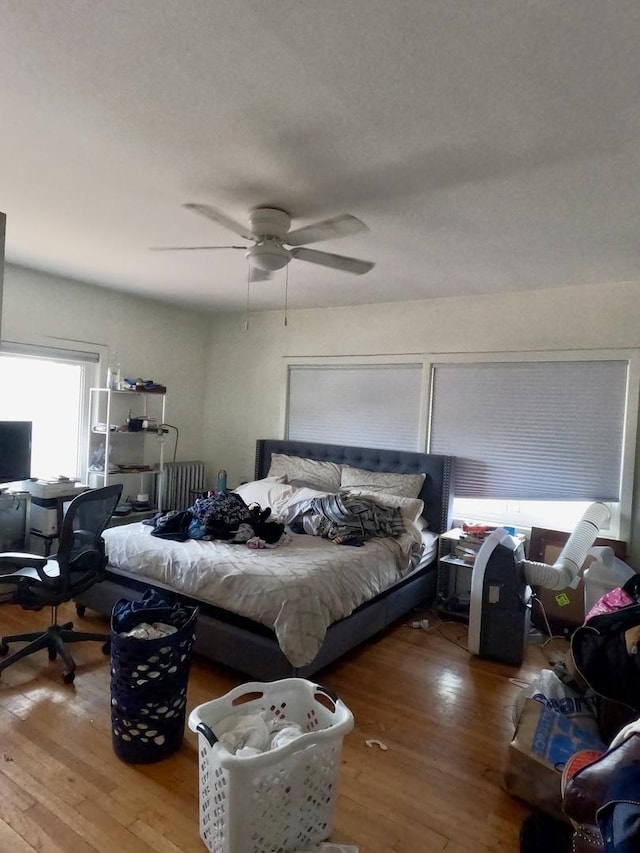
column 470, row 541
column 465, row 554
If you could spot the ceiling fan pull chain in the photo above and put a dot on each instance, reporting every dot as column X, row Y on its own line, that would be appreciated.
column 246, row 320
column 286, row 293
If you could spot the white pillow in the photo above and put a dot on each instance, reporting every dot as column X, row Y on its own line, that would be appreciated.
column 321, row 475
column 411, row 508
column 307, row 493
column 268, row 492
column 406, row 485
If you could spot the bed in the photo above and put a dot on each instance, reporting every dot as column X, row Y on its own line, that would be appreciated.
column 265, row 646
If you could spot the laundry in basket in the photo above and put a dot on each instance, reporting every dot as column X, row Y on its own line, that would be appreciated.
column 253, row 734
column 283, row 799
column 149, row 677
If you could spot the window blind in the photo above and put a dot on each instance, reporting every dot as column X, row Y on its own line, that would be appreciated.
column 49, row 352
column 532, row 430
column 356, row 405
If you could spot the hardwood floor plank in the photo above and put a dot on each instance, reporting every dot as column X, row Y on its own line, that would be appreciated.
column 23, row 825
column 62, row 834
column 10, row 840
column 161, row 844
column 445, row 717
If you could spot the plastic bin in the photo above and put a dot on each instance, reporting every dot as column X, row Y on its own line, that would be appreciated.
column 281, row 800
column 604, row 574
column 149, row 686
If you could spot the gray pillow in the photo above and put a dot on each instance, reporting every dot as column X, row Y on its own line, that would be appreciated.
column 406, row 485
column 313, row 472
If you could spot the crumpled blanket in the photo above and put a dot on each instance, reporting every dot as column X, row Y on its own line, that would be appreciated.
column 345, row 519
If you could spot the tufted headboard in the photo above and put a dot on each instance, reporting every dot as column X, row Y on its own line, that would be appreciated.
column 436, row 490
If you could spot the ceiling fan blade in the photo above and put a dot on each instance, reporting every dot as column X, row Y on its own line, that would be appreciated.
column 221, row 219
column 339, row 226
column 336, row 262
column 191, row 248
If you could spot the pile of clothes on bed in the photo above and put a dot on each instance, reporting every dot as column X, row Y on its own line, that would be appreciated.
column 345, row 519
column 219, row 515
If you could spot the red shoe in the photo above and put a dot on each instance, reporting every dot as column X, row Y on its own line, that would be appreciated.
column 590, row 791
column 580, row 802
column 577, row 761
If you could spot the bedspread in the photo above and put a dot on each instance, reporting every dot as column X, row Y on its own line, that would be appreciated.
column 297, row 589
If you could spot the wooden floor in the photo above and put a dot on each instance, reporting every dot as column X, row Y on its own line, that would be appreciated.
column 445, row 717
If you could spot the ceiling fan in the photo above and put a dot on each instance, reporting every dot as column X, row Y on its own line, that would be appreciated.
column 273, row 245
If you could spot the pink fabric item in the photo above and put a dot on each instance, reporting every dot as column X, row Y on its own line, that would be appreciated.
column 610, row 602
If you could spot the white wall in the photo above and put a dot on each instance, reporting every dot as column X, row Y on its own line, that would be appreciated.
column 247, row 373
column 226, row 386
column 153, row 340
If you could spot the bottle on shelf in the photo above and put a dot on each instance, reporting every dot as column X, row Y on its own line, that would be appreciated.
column 221, row 483
column 113, row 372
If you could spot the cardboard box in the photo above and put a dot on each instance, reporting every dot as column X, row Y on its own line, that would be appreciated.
column 564, row 608
column 543, row 742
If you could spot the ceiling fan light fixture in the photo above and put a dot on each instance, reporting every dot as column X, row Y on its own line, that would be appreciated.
column 268, row 256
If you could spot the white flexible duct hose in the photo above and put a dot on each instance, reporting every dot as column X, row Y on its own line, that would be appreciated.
column 565, row 569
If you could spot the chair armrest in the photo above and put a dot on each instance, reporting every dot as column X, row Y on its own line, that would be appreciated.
column 12, row 560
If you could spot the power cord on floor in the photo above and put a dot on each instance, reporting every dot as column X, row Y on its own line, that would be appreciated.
column 434, row 623
column 550, row 635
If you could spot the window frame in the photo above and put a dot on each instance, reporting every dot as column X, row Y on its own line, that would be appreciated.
column 621, row 512
column 92, row 358
column 368, row 362
column 621, row 517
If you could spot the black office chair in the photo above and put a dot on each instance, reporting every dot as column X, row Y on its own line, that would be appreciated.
column 48, row 582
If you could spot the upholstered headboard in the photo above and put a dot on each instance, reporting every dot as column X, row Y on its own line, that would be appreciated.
column 436, row 490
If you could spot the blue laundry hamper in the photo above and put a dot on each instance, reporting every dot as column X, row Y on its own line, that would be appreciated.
column 149, row 679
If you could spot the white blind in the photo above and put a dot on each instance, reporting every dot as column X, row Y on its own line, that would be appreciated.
column 532, row 430
column 49, row 352
column 358, row 405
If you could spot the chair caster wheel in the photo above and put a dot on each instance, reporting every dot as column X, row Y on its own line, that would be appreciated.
column 81, row 609
column 106, row 648
column 4, row 649
column 69, row 677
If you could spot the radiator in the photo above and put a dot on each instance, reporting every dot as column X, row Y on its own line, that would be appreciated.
column 179, row 484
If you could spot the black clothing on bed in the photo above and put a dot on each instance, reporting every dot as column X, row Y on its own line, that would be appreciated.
column 219, row 516
column 173, row 525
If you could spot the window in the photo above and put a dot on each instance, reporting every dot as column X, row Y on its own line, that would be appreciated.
column 49, row 387
column 367, row 405
column 534, row 436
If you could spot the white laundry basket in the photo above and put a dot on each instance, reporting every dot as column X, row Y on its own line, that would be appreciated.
column 281, row 800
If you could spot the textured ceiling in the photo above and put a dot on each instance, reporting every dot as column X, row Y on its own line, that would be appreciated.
column 489, row 146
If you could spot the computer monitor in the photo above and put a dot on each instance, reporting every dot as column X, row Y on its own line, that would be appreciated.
column 15, row 450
